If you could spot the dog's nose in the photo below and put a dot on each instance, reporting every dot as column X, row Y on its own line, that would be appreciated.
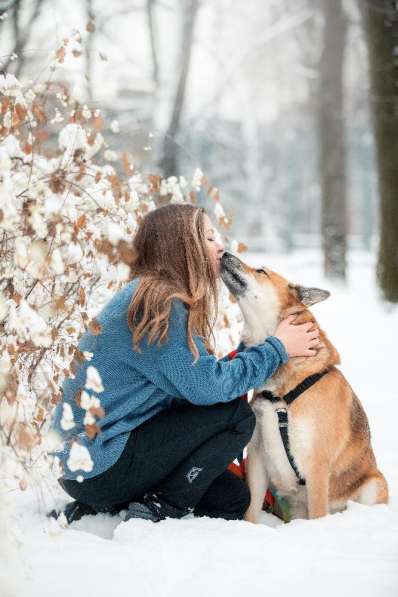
column 229, row 259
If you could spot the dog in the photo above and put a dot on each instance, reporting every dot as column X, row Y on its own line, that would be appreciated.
column 315, row 450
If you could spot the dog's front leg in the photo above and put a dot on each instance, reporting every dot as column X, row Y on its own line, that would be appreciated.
column 257, row 480
column 317, row 481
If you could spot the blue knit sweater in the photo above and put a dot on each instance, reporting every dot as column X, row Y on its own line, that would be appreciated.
column 138, row 385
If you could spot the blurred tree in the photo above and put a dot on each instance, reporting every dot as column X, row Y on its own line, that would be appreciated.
column 380, row 20
column 6, row 4
column 88, row 48
column 150, row 6
column 331, row 133
column 168, row 162
column 21, row 35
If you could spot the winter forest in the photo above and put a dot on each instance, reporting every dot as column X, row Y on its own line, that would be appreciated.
column 281, row 119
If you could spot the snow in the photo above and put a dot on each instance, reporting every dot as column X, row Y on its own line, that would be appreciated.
column 93, row 382
column 79, row 458
column 355, row 552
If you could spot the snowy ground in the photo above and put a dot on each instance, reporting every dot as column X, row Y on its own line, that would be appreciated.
column 355, row 552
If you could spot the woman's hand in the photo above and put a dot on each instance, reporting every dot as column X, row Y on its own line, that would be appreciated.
column 298, row 340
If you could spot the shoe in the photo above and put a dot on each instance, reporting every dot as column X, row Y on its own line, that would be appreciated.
column 152, row 507
column 73, row 511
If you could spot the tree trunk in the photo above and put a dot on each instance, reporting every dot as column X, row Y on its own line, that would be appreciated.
column 21, row 38
column 90, row 16
column 150, row 5
column 169, row 161
column 380, row 20
column 6, row 5
column 332, row 141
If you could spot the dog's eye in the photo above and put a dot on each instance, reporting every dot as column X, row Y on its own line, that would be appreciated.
column 261, row 270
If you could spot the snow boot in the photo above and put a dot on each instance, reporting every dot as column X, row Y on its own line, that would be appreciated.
column 152, row 507
column 73, row 511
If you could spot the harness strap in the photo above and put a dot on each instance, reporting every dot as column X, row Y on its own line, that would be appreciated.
column 283, row 429
column 303, row 386
column 296, row 392
column 283, row 414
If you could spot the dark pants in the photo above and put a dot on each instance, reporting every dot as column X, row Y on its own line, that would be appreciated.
column 181, row 454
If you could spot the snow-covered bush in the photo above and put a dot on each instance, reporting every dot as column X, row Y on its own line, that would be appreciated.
column 67, row 218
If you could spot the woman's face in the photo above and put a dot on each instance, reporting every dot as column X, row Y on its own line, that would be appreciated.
column 214, row 244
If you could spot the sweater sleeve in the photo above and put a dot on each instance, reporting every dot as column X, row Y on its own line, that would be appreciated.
column 207, row 380
column 241, row 346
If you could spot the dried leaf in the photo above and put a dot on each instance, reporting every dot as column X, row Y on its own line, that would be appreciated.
column 60, row 54
column 82, row 171
column 79, row 356
column 155, row 182
column 11, row 387
column 5, row 104
column 127, row 252
column 81, row 221
column 21, row 112
column 59, row 303
column 55, row 398
column 23, row 484
column 40, row 414
column 57, row 182
column 16, row 297
column 104, row 246
column 115, row 182
column 77, row 397
column 82, row 297
column 224, row 222
column 98, row 123
column 95, row 327
column 39, row 113
column 25, row 436
column 27, row 148
column 97, row 411
column 92, row 430
column 128, row 169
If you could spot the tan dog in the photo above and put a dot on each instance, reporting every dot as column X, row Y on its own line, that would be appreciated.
column 328, row 431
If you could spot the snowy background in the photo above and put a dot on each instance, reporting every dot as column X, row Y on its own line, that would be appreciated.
column 249, row 109
column 355, row 552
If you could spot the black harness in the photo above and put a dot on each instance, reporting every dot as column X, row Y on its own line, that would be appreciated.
column 283, row 415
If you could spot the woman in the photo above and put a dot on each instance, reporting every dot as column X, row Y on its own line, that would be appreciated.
column 172, row 418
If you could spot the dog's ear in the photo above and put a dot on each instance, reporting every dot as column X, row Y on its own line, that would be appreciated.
column 311, row 296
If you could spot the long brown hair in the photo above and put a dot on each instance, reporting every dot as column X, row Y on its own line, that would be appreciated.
column 171, row 258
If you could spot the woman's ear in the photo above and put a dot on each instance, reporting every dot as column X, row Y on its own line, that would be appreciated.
column 311, row 296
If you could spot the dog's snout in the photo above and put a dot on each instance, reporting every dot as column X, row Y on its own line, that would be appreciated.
column 231, row 273
column 229, row 259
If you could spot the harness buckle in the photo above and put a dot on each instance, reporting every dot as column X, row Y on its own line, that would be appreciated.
column 282, row 417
